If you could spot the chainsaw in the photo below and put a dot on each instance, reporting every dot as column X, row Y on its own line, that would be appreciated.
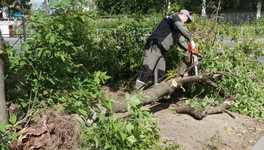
column 194, row 58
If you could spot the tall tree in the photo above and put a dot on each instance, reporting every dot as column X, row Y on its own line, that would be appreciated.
column 13, row 6
column 204, row 8
column 169, row 4
column 46, row 3
column 258, row 9
column 129, row 6
column 3, row 111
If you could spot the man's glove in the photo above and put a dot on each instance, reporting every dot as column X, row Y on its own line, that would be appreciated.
column 193, row 44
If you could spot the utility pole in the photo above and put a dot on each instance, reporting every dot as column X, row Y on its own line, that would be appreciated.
column 23, row 20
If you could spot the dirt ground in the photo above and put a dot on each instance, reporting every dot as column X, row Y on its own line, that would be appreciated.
column 219, row 131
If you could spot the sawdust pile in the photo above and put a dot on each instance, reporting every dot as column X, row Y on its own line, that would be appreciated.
column 52, row 131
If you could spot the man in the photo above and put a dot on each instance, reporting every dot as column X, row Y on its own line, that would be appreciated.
column 170, row 31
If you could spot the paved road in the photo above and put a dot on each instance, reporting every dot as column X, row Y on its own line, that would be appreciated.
column 259, row 145
column 230, row 43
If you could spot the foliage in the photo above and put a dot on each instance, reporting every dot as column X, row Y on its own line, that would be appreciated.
column 106, row 7
column 50, row 70
column 68, row 61
column 47, row 67
column 13, row 6
column 8, row 133
column 118, row 50
column 3, row 143
column 139, row 131
column 245, row 85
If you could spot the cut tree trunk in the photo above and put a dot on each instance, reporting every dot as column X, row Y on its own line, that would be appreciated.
column 157, row 92
column 3, row 111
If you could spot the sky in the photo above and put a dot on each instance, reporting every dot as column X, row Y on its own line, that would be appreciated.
column 36, row 4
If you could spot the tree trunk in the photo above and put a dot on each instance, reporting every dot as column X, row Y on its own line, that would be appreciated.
column 203, row 8
column 157, row 92
column 169, row 4
column 258, row 10
column 46, row 3
column 3, row 112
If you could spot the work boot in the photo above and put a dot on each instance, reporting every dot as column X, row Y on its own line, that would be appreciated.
column 139, row 85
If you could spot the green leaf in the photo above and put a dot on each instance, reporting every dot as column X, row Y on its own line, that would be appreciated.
column 13, row 119
column 144, row 109
column 127, row 96
column 83, row 18
column 60, row 26
column 13, row 136
column 96, row 142
column 114, row 117
column 129, row 127
column 97, row 81
column 51, row 81
column 135, row 100
column 123, row 136
column 82, row 112
column 101, row 118
column 54, row 3
column 23, row 104
column 78, row 104
column 128, row 106
column 52, row 39
column 2, row 127
column 107, row 145
column 131, row 140
column 40, row 52
column 62, row 58
column 66, row 2
column 25, row 46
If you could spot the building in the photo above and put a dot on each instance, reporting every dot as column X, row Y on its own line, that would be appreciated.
column 7, row 24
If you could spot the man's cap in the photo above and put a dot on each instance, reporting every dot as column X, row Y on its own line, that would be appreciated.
column 187, row 13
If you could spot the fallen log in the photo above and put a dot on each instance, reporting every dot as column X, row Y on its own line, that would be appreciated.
column 197, row 113
column 156, row 92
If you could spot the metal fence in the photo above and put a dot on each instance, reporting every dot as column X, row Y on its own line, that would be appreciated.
column 16, row 39
column 235, row 17
column 15, row 42
column 249, row 30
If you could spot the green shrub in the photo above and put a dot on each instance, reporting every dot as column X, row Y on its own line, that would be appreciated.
column 138, row 131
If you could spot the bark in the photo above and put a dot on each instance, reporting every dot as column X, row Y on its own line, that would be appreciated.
column 258, row 10
column 3, row 111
